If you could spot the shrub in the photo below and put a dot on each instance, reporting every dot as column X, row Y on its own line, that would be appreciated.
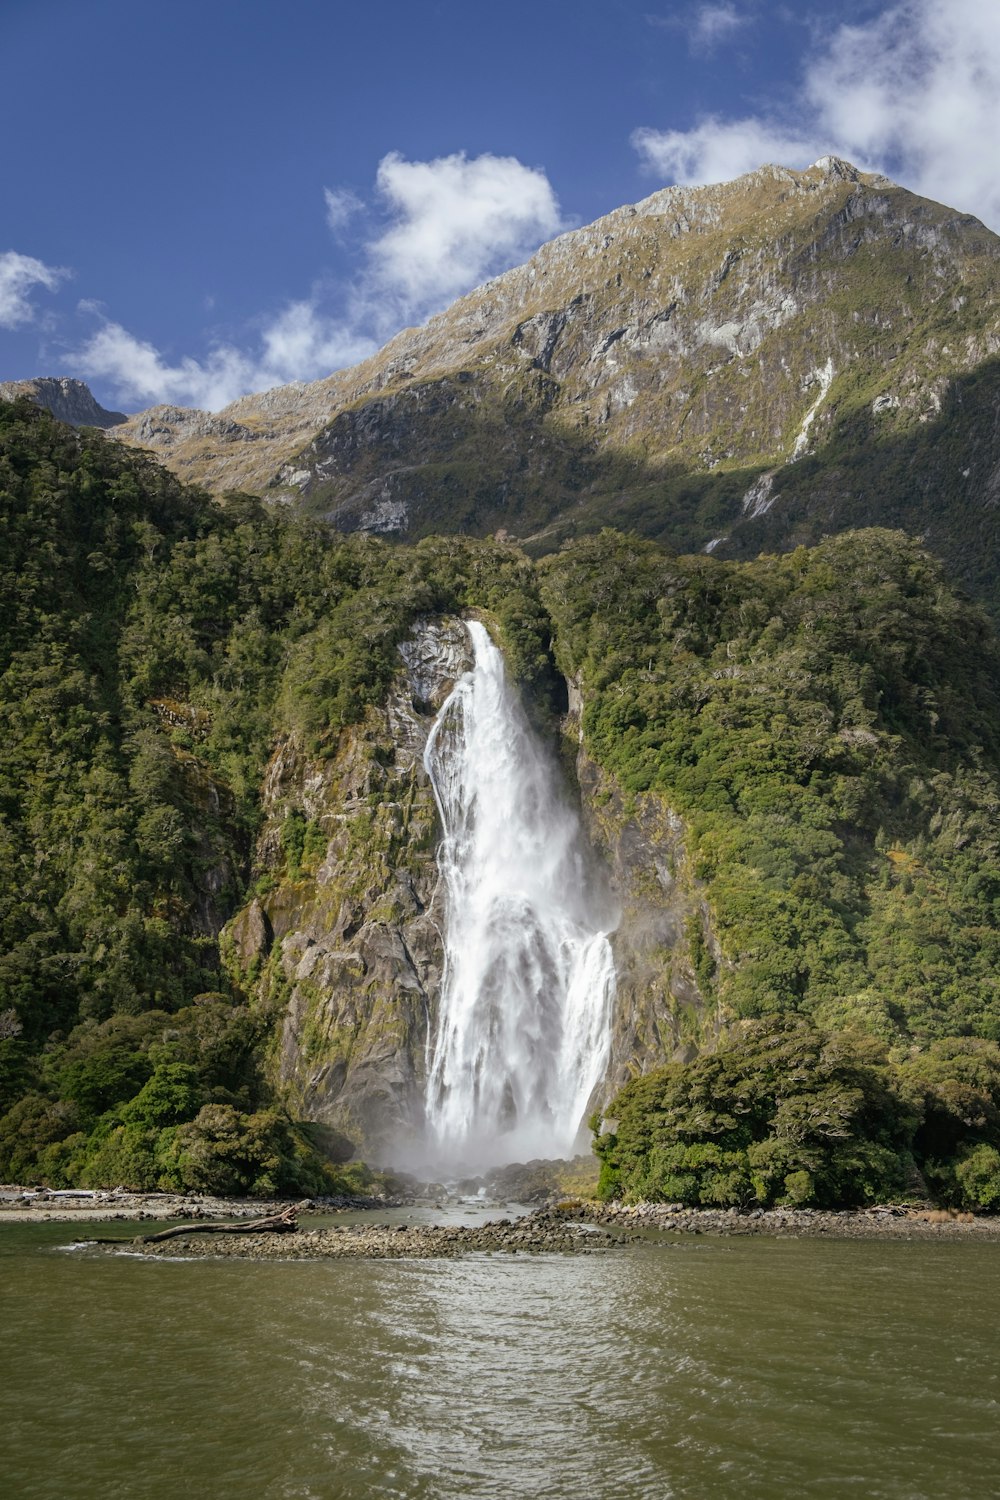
column 231, row 1154
column 978, row 1178
column 784, row 1113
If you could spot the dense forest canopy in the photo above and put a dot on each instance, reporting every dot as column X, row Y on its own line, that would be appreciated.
column 827, row 724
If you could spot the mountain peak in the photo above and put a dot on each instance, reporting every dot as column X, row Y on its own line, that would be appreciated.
column 730, row 367
column 845, row 171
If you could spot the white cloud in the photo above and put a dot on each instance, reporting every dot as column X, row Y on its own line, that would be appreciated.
column 341, row 206
column 918, row 90
column 714, row 24
column 716, row 150
column 299, row 345
column 707, row 26
column 302, row 344
column 18, row 274
column 456, row 221
column 915, row 92
column 139, row 373
column 451, row 223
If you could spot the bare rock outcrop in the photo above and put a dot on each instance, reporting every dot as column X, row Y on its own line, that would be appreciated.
column 343, row 934
column 69, row 400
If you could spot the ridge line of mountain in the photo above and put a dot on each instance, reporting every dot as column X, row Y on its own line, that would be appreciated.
column 733, row 368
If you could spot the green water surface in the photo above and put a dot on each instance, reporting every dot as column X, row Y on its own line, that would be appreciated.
column 707, row 1368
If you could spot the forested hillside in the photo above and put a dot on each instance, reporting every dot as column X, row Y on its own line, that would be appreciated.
column 825, row 725
column 828, row 725
column 153, row 644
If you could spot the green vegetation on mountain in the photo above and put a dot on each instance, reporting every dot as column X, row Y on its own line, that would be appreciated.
column 153, row 644
column 826, row 724
column 786, row 1113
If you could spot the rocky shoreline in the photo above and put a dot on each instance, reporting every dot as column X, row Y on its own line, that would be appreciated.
column 76, row 1206
column 573, row 1226
column 547, row 1231
column 569, row 1228
column 883, row 1221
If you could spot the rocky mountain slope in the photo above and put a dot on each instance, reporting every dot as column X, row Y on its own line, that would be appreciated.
column 727, row 368
column 70, row 401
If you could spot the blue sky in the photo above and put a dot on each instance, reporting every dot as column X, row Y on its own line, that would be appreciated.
column 207, row 198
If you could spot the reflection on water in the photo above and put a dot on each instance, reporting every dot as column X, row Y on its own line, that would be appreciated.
column 715, row 1368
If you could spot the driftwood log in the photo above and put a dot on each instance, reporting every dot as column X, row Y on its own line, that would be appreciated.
column 279, row 1223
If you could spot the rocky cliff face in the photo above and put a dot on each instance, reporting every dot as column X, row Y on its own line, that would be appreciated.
column 722, row 366
column 69, row 400
column 343, row 935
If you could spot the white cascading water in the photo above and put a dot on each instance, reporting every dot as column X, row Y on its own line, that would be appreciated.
column 524, row 1020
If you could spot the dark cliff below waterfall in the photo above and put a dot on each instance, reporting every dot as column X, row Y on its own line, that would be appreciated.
column 352, row 928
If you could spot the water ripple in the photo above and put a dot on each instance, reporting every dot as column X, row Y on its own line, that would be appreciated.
column 752, row 1369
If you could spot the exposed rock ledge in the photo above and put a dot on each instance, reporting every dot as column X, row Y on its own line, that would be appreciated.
column 356, row 936
column 68, row 400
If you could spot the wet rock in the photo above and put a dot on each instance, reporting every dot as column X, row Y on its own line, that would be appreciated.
column 899, row 1221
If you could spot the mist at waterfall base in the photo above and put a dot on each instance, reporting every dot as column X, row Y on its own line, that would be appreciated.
column 522, row 1034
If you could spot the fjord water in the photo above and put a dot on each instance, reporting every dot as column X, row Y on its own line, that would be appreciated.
column 708, row 1369
column 524, row 1019
column 702, row 1369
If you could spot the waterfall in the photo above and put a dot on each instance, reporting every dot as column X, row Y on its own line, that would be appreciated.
column 524, row 1019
